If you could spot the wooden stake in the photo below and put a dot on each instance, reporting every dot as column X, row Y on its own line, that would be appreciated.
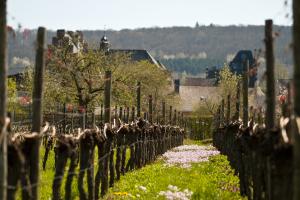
column 65, row 118
column 120, row 113
column 222, row 112
column 124, row 115
column 175, row 117
column 218, row 117
column 163, row 113
column 237, row 104
column 170, row 115
column 83, row 118
column 245, row 94
column 3, row 96
column 37, row 98
column 133, row 113
column 107, row 96
column 296, row 148
column 93, row 119
column 228, row 109
column 182, row 120
column 138, row 99
column 150, row 109
column 101, row 113
column 270, row 95
column 127, row 114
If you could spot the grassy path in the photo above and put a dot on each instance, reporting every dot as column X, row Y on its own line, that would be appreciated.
column 207, row 180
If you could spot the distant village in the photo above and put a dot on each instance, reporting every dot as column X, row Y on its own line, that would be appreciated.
column 191, row 90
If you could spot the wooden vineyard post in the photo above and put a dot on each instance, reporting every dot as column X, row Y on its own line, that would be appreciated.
column 127, row 114
column 289, row 100
column 83, row 118
column 175, row 117
column 296, row 45
column 107, row 120
column 115, row 112
column 228, row 109
column 237, row 104
column 150, row 109
column 3, row 94
column 107, row 96
column 218, row 124
column 120, row 113
column 270, row 96
column 37, row 98
column 222, row 112
column 132, row 113
column 124, row 115
column 245, row 93
column 93, row 119
column 163, row 113
column 65, row 118
column 101, row 113
column 170, row 115
column 138, row 99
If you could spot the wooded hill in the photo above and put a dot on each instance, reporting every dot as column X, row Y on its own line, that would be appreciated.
column 179, row 48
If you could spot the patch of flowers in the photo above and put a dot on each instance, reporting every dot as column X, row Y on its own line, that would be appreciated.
column 121, row 193
column 185, row 155
column 174, row 193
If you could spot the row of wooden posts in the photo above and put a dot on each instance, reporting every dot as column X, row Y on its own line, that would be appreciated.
column 266, row 158
column 225, row 118
column 37, row 119
column 175, row 117
column 125, row 114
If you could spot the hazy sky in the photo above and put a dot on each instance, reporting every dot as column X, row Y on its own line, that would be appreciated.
column 119, row 14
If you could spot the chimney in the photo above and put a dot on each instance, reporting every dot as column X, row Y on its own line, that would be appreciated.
column 176, row 85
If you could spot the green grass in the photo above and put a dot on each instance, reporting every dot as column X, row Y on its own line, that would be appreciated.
column 209, row 180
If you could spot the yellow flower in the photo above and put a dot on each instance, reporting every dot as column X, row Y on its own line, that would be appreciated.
column 121, row 193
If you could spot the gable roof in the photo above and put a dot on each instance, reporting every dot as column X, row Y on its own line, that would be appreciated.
column 138, row 55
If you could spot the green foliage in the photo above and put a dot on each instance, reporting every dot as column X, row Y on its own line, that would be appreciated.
column 228, row 86
column 228, row 82
column 79, row 79
column 12, row 94
column 13, row 101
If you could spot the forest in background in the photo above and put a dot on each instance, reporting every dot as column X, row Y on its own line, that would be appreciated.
column 189, row 49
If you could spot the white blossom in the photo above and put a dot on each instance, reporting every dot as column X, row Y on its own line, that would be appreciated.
column 185, row 155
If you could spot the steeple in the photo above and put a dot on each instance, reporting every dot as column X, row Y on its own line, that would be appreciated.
column 104, row 43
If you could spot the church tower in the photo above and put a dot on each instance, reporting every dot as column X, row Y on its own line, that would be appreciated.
column 104, row 44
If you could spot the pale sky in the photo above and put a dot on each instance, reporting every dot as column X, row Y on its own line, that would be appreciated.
column 120, row 14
